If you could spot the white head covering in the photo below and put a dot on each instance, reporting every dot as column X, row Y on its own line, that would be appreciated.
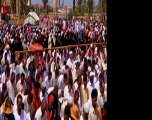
column 50, row 90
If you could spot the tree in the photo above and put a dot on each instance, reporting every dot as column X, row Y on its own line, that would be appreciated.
column 79, row 3
column 90, row 6
column 24, row 6
column 13, row 6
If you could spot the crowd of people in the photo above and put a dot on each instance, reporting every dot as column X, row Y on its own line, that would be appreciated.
column 59, row 84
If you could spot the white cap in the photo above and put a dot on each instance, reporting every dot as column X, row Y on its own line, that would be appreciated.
column 50, row 90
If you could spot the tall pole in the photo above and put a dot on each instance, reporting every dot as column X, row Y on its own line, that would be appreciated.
column 74, row 6
column 18, row 10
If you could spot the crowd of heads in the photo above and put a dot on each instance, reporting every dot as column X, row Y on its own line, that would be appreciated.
column 67, row 83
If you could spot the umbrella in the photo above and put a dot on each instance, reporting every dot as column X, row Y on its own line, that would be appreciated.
column 36, row 46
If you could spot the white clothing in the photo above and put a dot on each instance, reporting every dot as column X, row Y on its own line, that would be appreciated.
column 8, row 56
column 96, row 84
column 100, row 100
column 11, row 90
column 93, row 114
column 52, row 66
column 15, row 102
column 27, row 107
column 62, row 108
column 48, row 82
column 28, row 117
column 21, row 88
column 70, row 63
column 20, row 117
column 25, row 71
column 75, row 74
column 90, row 88
column 66, row 92
column 44, row 97
column 1, row 87
column 38, row 115
column 61, row 84
column 28, row 61
column 53, row 79
column 3, row 78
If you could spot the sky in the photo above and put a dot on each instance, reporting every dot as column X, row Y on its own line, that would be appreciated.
column 66, row 2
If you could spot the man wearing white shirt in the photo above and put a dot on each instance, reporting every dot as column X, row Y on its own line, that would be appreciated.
column 70, row 61
column 20, row 114
column 23, row 68
column 43, row 93
column 76, row 71
column 31, row 115
column 62, row 81
column 67, row 113
column 68, row 90
column 4, row 77
column 48, row 80
column 7, row 50
column 53, row 65
column 21, row 84
column 93, row 111
column 30, row 59
column 41, row 111
column 55, row 76
column 90, row 86
column 28, row 102
column 62, row 70
column 100, row 100
column 11, row 87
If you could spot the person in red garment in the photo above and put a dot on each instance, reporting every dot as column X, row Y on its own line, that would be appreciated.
column 50, row 111
column 36, row 98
